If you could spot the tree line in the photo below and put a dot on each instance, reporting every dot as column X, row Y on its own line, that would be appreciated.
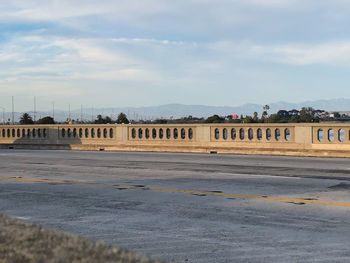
column 305, row 115
column 27, row 119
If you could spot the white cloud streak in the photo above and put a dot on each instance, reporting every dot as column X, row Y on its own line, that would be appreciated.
column 333, row 53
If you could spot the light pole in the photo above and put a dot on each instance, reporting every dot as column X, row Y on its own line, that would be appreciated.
column 53, row 110
column 13, row 110
column 3, row 115
column 81, row 113
column 69, row 114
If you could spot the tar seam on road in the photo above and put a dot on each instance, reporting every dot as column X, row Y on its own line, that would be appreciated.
column 279, row 199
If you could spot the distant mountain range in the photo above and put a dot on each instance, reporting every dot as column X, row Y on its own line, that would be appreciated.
column 181, row 110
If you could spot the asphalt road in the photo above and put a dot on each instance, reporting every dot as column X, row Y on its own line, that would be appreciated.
column 187, row 207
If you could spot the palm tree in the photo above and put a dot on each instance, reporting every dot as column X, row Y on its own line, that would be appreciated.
column 26, row 119
column 265, row 113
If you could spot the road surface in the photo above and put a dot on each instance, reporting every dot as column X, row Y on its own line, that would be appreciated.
column 187, row 207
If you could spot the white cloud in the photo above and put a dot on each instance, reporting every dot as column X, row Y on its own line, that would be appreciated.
column 274, row 3
column 5, row 57
column 336, row 53
column 166, row 46
column 333, row 53
column 63, row 58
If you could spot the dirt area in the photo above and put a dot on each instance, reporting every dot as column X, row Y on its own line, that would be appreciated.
column 25, row 243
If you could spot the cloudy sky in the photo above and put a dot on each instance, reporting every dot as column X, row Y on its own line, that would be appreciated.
column 151, row 52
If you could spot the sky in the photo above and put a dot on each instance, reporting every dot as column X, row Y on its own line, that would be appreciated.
column 120, row 53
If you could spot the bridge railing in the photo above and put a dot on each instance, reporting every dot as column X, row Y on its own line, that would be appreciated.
column 176, row 137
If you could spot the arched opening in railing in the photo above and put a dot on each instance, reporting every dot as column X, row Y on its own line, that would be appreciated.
column 133, row 133
column 168, row 133
column 287, row 134
column 140, row 133
column 341, row 135
column 330, row 135
column 241, row 134
column 224, row 134
column 161, row 133
column 190, row 133
column 320, row 135
column 63, row 133
column 217, row 134
column 259, row 134
column 176, row 133
column 277, row 134
column 183, row 134
column 233, row 134
column 268, row 134
column 250, row 134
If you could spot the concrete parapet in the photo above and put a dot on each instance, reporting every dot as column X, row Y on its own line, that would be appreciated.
column 279, row 139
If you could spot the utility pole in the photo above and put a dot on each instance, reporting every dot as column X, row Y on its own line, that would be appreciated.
column 81, row 113
column 13, row 110
column 53, row 110
column 69, row 116
column 34, row 108
column 3, row 115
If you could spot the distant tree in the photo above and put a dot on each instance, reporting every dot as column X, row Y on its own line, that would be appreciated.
column 160, row 121
column 266, row 108
column 215, row 119
column 283, row 114
column 99, row 119
column 108, row 119
column 336, row 114
column 103, row 120
column 275, row 118
column 26, row 119
column 122, row 118
column 293, row 112
column 255, row 117
column 248, row 119
column 46, row 120
column 307, row 114
column 294, row 119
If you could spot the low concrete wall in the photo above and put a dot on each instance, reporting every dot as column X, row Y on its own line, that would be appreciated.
column 278, row 139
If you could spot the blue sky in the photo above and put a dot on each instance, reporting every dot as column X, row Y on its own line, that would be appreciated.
column 136, row 53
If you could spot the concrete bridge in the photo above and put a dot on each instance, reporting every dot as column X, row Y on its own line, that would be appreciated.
column 277, row 139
